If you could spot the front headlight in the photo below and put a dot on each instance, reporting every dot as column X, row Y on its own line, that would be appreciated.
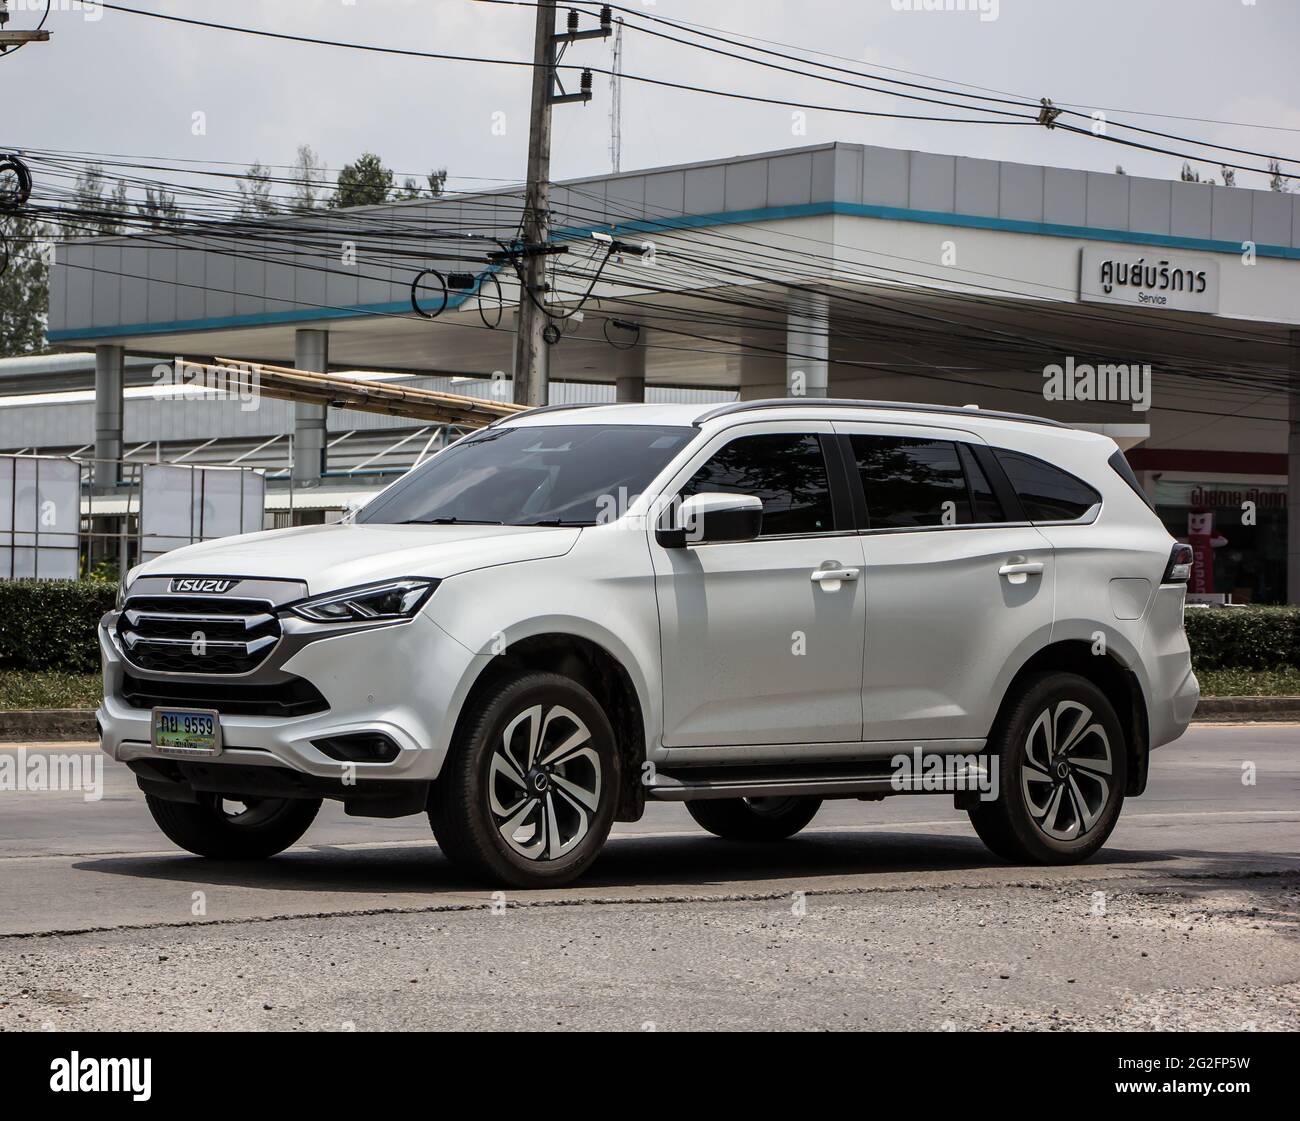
column 123, row 585
column 394, row 599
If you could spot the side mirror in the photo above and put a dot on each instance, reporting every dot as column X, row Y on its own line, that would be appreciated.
column 711, row 519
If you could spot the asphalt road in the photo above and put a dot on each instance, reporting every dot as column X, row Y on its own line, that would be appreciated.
column 880, row 915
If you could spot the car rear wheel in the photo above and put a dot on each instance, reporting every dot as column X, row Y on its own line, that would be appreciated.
column 1062, row 768
column 528, row 792
column 754, row 819
column 230, row 828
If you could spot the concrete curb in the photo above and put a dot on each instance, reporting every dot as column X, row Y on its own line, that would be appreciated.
column 48, row 725
column 1221, row 710
column 68, row 724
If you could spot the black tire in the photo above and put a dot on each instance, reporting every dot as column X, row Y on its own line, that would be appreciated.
column 754, row 819
column 265, row 827
column 1020, row 824
column 476, row 781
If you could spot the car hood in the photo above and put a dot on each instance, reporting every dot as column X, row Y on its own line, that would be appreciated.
column 331, row 557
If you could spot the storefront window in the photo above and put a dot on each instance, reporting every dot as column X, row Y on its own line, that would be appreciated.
column 1238, row 532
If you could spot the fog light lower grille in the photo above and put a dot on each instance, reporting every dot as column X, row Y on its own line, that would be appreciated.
column 362, row 747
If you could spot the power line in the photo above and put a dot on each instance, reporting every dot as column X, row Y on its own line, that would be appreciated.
column 716, row 270
column 910, row 336
column 295, row 242
column 999, row 96
column 645, row 79
column 321, row 228
column 752, row 98
column 838, row 81
column 316, row 41
column 883, row 367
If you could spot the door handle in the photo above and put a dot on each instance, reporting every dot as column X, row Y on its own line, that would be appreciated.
column 1017, row 572
column 833, row 576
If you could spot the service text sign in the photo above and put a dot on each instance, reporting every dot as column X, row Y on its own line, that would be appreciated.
column 1163, row 281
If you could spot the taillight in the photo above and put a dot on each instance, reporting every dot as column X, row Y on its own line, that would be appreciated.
column 1179, row 568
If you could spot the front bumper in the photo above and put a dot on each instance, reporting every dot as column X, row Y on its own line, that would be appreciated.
column 402, row 681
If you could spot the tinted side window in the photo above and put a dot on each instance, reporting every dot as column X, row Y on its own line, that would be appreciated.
column 786, row 470
column 1123, row 469
column 911, row 483
column 1047, row 493
column 987, row 506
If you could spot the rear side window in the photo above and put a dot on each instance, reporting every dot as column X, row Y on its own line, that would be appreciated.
column 786, row 470
column 1125, row 471
column 911, row 483
column 1047, row 493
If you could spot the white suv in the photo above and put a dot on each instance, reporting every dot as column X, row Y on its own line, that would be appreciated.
column 748, row 608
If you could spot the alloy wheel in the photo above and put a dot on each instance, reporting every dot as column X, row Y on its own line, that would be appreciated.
column 544, row 782
column 1066, row 772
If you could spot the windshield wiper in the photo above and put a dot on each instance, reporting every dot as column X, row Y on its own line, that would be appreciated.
column 554, row 522
column 446, row 521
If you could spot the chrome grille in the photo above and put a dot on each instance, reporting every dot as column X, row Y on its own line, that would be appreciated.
column 197, row 634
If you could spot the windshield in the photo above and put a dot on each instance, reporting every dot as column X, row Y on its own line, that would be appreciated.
column 568, row 474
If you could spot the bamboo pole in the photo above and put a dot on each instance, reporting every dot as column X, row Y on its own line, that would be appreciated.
column 284, row 383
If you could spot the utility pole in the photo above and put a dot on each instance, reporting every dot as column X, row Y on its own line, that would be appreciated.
column 532, row 366
column 616, row 103
column 12, row 40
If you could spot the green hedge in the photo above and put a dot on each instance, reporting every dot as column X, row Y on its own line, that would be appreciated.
column 1253, row 638
column 50, row 624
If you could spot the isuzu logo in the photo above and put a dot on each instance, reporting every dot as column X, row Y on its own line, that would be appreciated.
column 207, row 587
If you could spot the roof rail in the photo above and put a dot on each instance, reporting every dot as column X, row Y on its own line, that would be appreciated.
column 548, row 409
column 849, row 403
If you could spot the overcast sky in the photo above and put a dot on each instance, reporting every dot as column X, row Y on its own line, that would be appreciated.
column 125, row 84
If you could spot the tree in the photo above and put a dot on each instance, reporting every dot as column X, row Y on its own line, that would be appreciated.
column 101, row 210
column 1229, row 175
column 24, row 286
column 410, row 189
column 364, row 183
column 1190, row 176
column 1276, row 180
column 158, row 208
column 309, row 180
column 255, row 197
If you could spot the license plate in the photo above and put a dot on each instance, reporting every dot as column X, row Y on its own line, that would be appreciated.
column 186, row 731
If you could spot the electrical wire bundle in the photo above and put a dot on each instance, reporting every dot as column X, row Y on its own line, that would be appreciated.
column 705, row 291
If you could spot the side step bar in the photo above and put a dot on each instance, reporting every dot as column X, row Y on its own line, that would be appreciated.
column 835, row 782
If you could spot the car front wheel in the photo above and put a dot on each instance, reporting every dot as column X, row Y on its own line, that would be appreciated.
column 528, row 792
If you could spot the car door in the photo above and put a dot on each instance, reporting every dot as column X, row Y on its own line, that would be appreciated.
column 761, row 643
column 959, row 591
